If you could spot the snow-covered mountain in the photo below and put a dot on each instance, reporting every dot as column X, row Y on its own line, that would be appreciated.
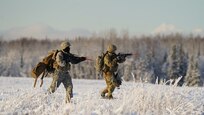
column 17, row 96
column 198, row 31
column 41, row 31
column 167, row 29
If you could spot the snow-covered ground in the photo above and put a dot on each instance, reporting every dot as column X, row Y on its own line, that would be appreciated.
column 17, row 96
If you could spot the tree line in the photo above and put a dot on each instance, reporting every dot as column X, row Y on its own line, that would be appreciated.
column 159, row 57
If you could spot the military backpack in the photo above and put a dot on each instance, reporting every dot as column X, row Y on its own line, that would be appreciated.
column 99, row 65
column 44, row 67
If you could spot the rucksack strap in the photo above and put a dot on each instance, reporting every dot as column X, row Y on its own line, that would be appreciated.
column 55, row 54
column 105, row 54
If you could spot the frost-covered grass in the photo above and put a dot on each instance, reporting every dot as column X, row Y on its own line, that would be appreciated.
column 17, row 96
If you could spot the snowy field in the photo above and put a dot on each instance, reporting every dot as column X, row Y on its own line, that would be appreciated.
column 17, row 96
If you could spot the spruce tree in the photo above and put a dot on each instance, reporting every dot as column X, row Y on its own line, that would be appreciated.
column 183, row 64
column 145, row 69
column 127, row 70
column 173, row 70
column 177, row 64
column 193, row 77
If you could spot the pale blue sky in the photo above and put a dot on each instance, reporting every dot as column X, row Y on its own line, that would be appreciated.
column 138, row 16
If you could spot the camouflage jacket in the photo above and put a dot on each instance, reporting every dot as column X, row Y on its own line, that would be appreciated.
column 111, row 62
column 64, row 59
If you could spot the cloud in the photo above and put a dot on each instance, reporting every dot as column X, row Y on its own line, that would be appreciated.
column 166, row 29
column 41, row 31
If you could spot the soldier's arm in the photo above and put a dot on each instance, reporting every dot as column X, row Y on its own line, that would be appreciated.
column 75, row 59
column 59, row 59
column 108, row 62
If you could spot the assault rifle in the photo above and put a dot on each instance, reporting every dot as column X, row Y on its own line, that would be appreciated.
column 123, row 55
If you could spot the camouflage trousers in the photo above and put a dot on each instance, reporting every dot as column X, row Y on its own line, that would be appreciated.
column 110, row 85
column 62, row 77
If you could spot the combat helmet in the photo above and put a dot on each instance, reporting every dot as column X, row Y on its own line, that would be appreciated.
column 65, row 44
column 111, row 48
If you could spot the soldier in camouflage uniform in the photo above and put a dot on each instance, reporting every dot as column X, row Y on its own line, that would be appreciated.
column 111, row 65
column 62, row 66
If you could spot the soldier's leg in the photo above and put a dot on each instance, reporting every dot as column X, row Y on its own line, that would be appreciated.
column 53, row 85
column 105, row 90
column 111, row 86
column 67, row 82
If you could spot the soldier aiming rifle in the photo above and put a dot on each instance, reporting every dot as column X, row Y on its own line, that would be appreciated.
column 108, row 65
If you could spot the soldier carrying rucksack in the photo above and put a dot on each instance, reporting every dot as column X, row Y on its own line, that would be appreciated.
column 62, row 66
column 107, row 63
column 59, row 62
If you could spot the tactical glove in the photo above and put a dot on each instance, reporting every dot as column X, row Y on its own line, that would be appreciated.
column 83, row 58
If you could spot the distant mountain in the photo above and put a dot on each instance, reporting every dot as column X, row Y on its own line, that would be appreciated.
column 41, row 31
column 167, row 29
column 198, row 31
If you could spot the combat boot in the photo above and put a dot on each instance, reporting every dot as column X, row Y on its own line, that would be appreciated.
column 49, row 91
column 107, row 97
column 110, row 97
column 103, row 95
